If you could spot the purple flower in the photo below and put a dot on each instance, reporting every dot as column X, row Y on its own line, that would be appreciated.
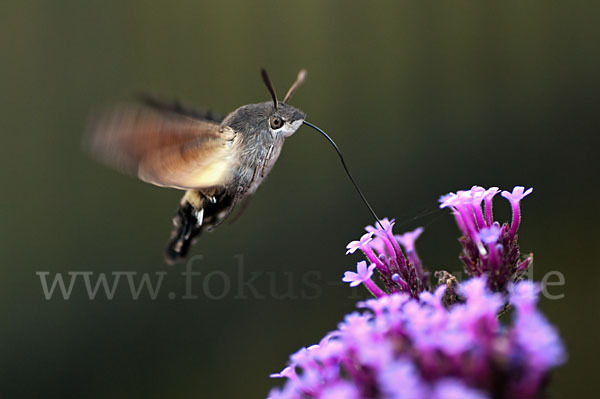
column 408, row 239
column 538, row 339
column 488, row 247
column 449, row 343
column 402, row 347
column 354, row 245
column 398, row 272
column 401, row 380
column 363, row 276
column 383, row 224
column 488, row 197
column 515, row 198
column 287, row 372
column 517, row 194
column 340, row 390
column 455, row 389
column 490, row 235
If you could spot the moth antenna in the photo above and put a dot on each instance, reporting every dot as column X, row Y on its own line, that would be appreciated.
column 297, row 83
column 362, row 196
column 267, row 81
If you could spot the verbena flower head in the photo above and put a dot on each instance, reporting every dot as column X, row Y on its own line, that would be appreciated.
column 412, row 342
column 398, row 271
column 402, row 347
column 488, row 247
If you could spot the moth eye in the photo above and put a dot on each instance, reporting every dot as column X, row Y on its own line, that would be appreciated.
column 276, row 122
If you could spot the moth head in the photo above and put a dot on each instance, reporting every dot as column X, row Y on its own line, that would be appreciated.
column 276, row 117
column 283, row 118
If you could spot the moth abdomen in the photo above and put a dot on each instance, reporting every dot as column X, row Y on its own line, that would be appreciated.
column 198, row 211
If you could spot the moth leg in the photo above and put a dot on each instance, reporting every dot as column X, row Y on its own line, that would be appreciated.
column 227, row 210
column 266, row 160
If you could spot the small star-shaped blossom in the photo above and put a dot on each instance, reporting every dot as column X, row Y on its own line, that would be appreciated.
column 408, row 239
column 459, row 198
column 524, row 296
column 304, row 355
column 491, row 192
column 287, row 372
column 477, row 192
column 401, row 380
column 479, row 298
column 464, row 197
column 452, row 388
column 435, row 299
column 377, row 244
column 517, row 194
column 356, row 322
column 354, row 245
column 539, row 340
column 384, row 224
column 392, row 302
column 340, row 390
column 488, row 196
column 490, row 235
column 447, row 200
column 330, row 351
column 363, row 274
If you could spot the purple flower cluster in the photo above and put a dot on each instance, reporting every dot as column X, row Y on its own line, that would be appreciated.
column 398, row 272
column 488, row 247
column 410, row 342
column 405, row 348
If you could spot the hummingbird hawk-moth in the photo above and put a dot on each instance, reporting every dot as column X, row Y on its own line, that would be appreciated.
column 218, row 162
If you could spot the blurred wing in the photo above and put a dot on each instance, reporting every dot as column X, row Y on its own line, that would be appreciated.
column 176, row 107
column 164, row 149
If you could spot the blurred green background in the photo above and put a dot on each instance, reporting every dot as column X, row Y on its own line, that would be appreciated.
column 423, row 98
